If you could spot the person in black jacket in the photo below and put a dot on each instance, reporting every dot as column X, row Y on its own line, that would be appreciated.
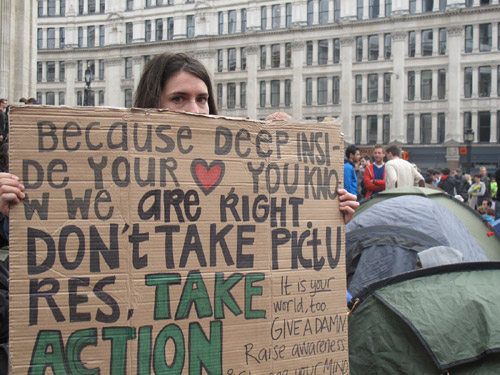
column 448, row 183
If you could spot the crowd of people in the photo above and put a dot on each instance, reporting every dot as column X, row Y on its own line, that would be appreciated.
column 366, row 176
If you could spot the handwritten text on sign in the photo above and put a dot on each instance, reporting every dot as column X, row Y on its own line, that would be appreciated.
column 158, row 242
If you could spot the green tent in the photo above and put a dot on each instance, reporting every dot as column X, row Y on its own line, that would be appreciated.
column 430, row 321
column 488, row 240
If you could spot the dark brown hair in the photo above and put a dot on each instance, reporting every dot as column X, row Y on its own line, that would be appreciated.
column 160, row 69
column 394, row 150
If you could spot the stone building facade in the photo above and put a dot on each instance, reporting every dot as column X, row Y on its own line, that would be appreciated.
column 416, row 72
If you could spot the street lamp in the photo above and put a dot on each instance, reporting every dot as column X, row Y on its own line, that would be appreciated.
column 88, row 81
column 468, row 139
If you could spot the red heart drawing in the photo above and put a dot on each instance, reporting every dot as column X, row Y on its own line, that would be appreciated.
column 207, row 177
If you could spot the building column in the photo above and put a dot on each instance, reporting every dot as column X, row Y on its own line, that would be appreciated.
column 434, row 84
column 179, row 28
column 364, row 131
column 366, row 9
column 114, row 67
column 380, row 128
column 434, row 126
column 418, row 42
column 475, row 81
column 416, row 136
column 418, row 82
column 137, row 69
column 475, row 125
column 346, row 87
column 456, row 4
column 399, row 7
column 299, row 13
column 380, row 88
column 70, row 78
column 252, row 84
column 454, row 82
column 399, row 89
column 297, row 81
column 348, row 10
column 493, row 126
column 475, row 37
column 419, row 6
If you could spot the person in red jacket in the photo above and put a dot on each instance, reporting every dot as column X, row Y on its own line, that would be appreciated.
column 374, row 176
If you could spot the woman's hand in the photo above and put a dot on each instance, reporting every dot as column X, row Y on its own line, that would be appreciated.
column 11, row 191
column 278, row 116
column 348, row 204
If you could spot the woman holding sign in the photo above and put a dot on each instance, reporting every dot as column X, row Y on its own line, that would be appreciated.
column 179, row 83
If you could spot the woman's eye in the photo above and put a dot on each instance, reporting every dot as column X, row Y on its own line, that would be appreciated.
column 202, row 100
column 177, row 99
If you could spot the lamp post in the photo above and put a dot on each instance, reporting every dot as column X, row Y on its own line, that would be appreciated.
column 469, row 138
column 88, row 81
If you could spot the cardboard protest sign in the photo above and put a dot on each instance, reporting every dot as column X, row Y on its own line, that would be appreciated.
column 154, row 242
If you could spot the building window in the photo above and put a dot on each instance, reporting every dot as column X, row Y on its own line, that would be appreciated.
column 359, row 10
column 91, row 65
column 374, row 8
column 101, row 97
column 79, row 98
column 190, row 26
column 288, row 15
column 62, row 37
column 62, row 7
column 263, row 57
column 442, row 5
column 336, row 90
column 91, row 6
column 129, row 32
column 441, row 127
column 80, row 36
column 411, row 85
column 357, row 130
column 243, row 95
column 484, row 126
column 387, row 87
column 427, row 38
column 62, row 71
column 442, row 41
column 336, row 51
column 359, row 88
column 498, row 80
column 80, row 7
column 102, row 34
column 427, row 6
column 412, row 6
column 170, row 28
column 469, row 42
column 425, row 128
column 288, row 55
column 309, row 91
column 322, row 52
column 243, row 56
column 498, row 36
column 410, row 129
column 39, row 71
column 129, row 6
column 498, row 127
column 128, row 67
column 102, row 6
column 159, row 29
column 484, row 81
column 147, row 31
column 101, row 69
column 372, row 129
column 51, row 37
column 219, row 60
column 411, row 44
column 336, row 10
column 441, row 83
column 61, row 98
column 231, row 95
column 323, row 12
column 467, row 121
column 79, row 70
column 373, row 47
column 275, row 56
column 263, row 17
column 388, row 8
column 40, row 8
column 322, row 90
column 372, row 88
column 309, row 53
column 39, row 39
column 386, row 129
column 221, row 23
column 359, row 48
column 288, row 92
column 90, row 36
column 262, row 94
column 468, row 82
column 275, row 93
column 128, row 98
column 485, row 37
column 243, row 20
column 219, row 95
column 426, row 84
column 231, row 59
column 387, row 46
column 50, row 98
column 276, row 16
column 310, row 12
column 231, row 23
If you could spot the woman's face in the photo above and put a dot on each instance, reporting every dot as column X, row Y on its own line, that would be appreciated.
column 185, row 92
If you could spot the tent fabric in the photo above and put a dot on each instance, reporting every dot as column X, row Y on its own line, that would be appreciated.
column 425, row 215
column 475, row 224
column 429, row 321
column 378, row 252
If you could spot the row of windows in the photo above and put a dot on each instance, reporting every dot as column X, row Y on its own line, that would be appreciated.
column 322, row 90
column 483, row 125
column 485, row 76
column 426, row 84
column 485, row 37
column 231, row 95
column 158, row 31
column 372, row 92
column 372, row 129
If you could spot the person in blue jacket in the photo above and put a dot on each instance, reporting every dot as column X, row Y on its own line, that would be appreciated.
column 350, row 180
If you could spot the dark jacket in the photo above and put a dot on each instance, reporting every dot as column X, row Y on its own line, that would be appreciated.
column 448, row 184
